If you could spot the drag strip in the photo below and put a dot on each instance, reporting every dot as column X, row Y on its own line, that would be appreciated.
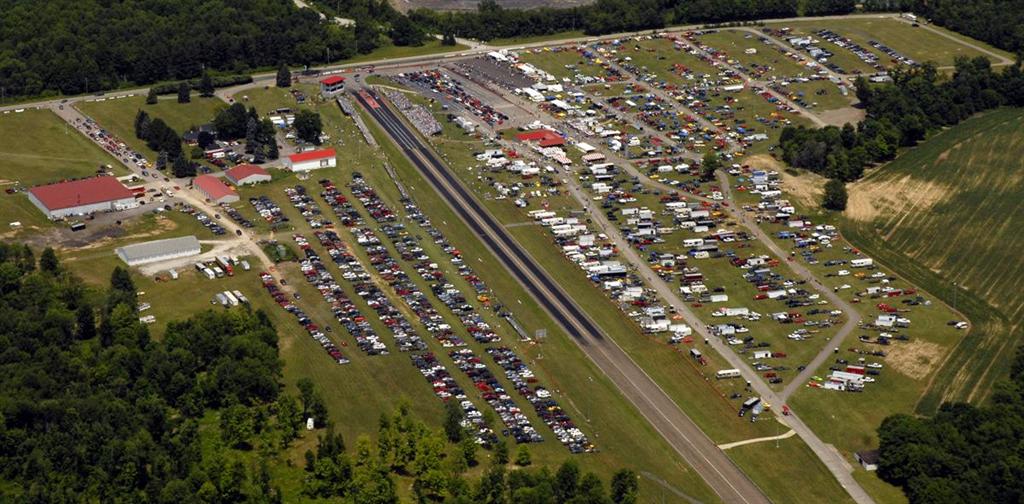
column 717, row 470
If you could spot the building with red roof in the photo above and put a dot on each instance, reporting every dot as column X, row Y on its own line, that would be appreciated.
column 82, row 197
column 543, row 138
column 332, row 85
column 247, row 174
column 311, row 160
column 214, row 189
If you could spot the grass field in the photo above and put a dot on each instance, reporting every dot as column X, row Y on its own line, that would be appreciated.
column 562, row 63
column 819, row 95
column 118, row 115
column 535, row 39
column 18, row 208
column 37, row 147
column 964, row 186
column 917, row 43
column 735, row 43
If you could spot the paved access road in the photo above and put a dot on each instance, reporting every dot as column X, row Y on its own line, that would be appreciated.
column 717, row 470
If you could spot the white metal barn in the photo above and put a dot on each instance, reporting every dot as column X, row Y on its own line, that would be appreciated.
column 159, row 250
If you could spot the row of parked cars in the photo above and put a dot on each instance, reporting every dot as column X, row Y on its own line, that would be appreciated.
column 344, row 310
column 446, row 388
column 516, row 422
column 275, row 291
column 547, row 409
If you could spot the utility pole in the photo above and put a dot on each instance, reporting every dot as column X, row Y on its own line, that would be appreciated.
column 954, row 296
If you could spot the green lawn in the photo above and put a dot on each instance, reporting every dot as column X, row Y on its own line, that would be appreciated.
column 18, row 208
column 118, row 115
column 388, row 52
column 37, row 147
column 578, row 34
column 917, row 43
column 964, row 185
column 820, row 95
column 775, row 465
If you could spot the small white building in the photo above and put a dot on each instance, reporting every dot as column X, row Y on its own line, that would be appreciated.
column 332, row 85
column 311, row 160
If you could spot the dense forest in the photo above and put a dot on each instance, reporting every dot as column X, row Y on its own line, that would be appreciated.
column 76, row 46
column 964, row 453
column 900, row 114
column 94, row 410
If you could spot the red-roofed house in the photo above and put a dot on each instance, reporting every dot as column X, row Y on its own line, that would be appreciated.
column 332, row 85
column 215, row 190
column 311, row 160
column 81, row 197
column 247, row 174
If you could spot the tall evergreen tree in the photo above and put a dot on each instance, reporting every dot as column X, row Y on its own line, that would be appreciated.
column 284, row 76
column 183, row 167
column 85, row 322
column 835, row 195
column 206, row 86
column 184, row 92
column 141, row 124
column 48, row 262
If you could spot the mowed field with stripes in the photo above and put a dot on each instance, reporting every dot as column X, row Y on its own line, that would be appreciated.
column 949, row 215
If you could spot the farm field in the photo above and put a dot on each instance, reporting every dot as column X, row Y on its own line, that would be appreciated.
column 37, row 148
column 118, row 115
column 918, row 43
column 963, row 185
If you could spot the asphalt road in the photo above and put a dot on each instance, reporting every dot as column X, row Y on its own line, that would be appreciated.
column 717, row 470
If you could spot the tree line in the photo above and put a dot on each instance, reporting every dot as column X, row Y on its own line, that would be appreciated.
column 964, row 453
column 917, row 102
column 438, row 462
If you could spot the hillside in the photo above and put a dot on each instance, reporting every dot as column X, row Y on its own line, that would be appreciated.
column 948, row 213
